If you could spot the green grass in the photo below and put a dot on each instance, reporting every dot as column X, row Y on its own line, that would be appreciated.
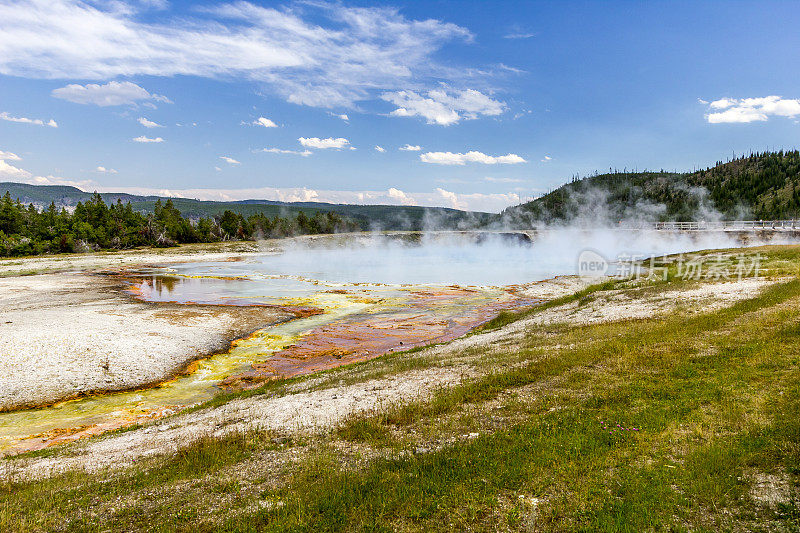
column 606, row 482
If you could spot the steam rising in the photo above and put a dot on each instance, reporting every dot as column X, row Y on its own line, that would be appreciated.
column 613, row 218
column 472, row 258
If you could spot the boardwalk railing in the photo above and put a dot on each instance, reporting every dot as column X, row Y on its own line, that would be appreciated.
column 730, row 225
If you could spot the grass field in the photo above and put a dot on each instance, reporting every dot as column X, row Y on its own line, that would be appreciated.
column 687, row 422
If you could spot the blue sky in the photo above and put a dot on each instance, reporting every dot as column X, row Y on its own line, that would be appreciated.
column 504, row 100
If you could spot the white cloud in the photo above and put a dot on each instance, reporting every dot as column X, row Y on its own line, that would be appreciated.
column 301, row 195
column 546, row 158
column 460, row 181
column 341, row 116
column 105, row 170
column 265, row 122
column 451, row 198
column 86, row 185
column 313, row 53
column 148, row 123
column 737, row 114
column 143, row 139
column 9, row 156
column 722, row 103
column 39, row 122
column 303, row 153
column 400, row 196
column 410, row 148
column 519, row 35
column 392, row 196
column 230, row 160
column 322, row 144
column 450, row 158
column 502, row 180
column 746, row 110
column 380, row 149
column 11, row 172
column 444, row 107
column 111, row 94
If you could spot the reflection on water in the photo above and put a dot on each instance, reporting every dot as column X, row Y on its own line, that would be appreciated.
column 209, row 288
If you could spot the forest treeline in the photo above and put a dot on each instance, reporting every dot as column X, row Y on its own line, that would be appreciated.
column 760, row 186
column 94, row 225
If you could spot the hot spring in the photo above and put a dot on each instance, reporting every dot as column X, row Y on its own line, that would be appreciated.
column 355, row 298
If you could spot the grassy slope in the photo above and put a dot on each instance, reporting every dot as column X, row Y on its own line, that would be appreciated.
column 544, row 439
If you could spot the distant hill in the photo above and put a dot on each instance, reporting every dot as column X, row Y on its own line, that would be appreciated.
column 760, row 186
column 390, row 217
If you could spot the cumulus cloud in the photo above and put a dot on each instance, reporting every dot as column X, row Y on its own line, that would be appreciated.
column 450, row 158
column 438, row 197
column 392, row 196
column 24, row 120
column 322, row 144
column 143, row 139
column 722, row 103
column 265, row 122
column 443, row 107
column 451, row 198
column 303, row 153
column 410, row 148
column 10, row 172
column 400, row 196
column 380, row 149
column 744, row 110
column 110, row 94
column 230, row 160
column 148, row 123
column 316, row 53
column 104, row 170
column 341, row 116
column 86, row 185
